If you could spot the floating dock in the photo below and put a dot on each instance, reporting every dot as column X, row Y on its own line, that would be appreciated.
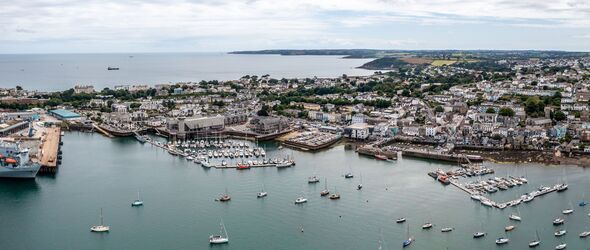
column 502, row 205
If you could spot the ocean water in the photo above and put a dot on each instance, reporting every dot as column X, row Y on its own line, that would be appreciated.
column 62, row 71
column 56, row 211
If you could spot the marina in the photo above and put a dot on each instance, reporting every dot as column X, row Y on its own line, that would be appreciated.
column 245, row 216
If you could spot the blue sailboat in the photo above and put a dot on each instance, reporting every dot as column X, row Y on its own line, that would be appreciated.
column 409, row 240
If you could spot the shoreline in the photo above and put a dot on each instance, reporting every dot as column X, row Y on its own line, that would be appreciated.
column 539, row 157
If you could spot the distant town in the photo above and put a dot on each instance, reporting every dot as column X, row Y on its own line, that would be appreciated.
column 453, row 107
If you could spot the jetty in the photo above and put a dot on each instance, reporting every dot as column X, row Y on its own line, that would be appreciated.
column 372, row 151
column 449, row 157
column 49, row 156
column 501, row 205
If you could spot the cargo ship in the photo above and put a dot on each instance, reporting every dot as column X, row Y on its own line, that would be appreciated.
column 15, row 161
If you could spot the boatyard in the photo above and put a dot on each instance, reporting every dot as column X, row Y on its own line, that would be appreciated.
column 311, row 141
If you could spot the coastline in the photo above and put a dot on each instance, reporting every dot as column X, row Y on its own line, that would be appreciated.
column 523, row 156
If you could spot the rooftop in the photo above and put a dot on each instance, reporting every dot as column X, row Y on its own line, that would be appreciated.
column 64, row 113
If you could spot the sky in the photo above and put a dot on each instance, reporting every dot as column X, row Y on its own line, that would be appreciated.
column 104, row 26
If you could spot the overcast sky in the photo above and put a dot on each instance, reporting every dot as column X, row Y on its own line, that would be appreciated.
column 72, row 26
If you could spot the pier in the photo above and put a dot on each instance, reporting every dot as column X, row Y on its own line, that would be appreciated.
column 374, row 151
column 49, row 155
column 457, row 158
column 501, row 205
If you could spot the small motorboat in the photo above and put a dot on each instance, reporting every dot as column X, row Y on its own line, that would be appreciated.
column 514, row 217
column 558, row 221
column 427, row 226
column 313, row 179
column 335, row 196
column 447, row 229
column 560, row 233
column 359, row 187
column 567, row 211
column 348, row 176
column 479, row 234
column 584, row 234
column 509, row 228
column 561, row 246
column 300, row 200
column 502, row 240
column 475, row 197
column 224, row 197
column 400, row 220
column 582, row 203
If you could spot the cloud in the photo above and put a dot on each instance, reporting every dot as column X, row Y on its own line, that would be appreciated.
column 227, row 24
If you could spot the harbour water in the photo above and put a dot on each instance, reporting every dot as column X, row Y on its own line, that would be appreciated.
column 62, row 71
column 56, row 212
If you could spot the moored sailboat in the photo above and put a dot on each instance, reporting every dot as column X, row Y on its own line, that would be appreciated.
column 221, row 238
column 325, row 191
column 102, row 227
column 137, row 202
column 536, row 242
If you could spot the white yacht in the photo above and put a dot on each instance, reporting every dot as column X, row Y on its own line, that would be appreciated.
column 137, row 202
column 262, row 193
column 100, row 228
column 560, row 233
column 300, row 200
column 502, row 240
column 221, row 238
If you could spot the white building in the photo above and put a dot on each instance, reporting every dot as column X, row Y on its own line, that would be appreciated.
column 359, row 131
column 358, row 118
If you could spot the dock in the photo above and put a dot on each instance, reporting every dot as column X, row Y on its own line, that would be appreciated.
column 502, row 205
column 49, row 155
column 457, row 158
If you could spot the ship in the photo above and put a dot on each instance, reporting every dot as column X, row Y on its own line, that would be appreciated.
column 15, row 162
column 112, row 68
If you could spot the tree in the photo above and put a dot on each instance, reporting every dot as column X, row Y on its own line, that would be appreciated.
column 559, row 116
column 506, row 112
column 134, row 105
column 439, row 109
column 405, row 93
column 490, row 110
column 19, row 88
column 534, row 106
column 263, row 111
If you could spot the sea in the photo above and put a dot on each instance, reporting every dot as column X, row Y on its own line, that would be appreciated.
column 180, row 212
column 55, row 72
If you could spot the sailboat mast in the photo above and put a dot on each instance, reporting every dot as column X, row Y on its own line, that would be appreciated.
column 101, row 220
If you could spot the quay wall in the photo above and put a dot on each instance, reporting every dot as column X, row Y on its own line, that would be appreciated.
column 457, row 158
